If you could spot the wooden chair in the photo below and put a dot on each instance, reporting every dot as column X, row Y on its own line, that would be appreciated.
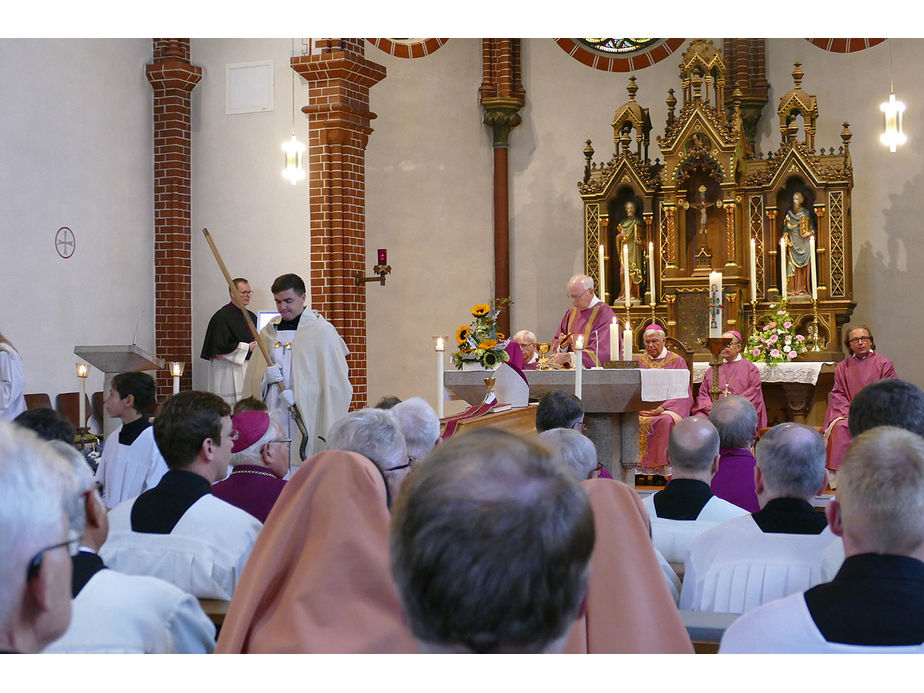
column 97, row 401
column 68, row 406
column 681, row 350
column 38, row 400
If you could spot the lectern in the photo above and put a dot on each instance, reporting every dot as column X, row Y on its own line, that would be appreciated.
column 112, row 360
column 612, row 399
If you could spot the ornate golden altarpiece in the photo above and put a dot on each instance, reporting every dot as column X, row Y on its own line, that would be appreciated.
column 709, row 197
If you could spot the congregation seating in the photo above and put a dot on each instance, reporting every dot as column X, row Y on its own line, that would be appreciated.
column 68, row 405
column 38, row 400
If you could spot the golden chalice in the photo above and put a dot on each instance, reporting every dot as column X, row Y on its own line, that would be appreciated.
column 543, row 348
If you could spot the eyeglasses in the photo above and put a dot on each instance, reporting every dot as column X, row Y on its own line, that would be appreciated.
column 578, row 426
column 410, row 461
column 856, row 340
column 570, row 295
column 599, row 468
column 35, row 564
column 281, row 440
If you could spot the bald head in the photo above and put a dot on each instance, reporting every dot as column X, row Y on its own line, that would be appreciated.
column 692, row 447
column 581, row 291
column 791, row 458
column 735, row 418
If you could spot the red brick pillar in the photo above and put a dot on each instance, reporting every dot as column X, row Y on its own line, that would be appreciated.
column 172, row 77
column 338, row 113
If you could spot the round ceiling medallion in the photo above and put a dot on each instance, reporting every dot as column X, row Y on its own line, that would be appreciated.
column 65, row 242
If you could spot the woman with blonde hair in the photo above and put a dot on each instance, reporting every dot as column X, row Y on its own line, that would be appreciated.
column 12, row 382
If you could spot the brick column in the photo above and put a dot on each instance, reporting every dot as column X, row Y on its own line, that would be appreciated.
column 172, row 77
column 502, row 97
column 338, row 113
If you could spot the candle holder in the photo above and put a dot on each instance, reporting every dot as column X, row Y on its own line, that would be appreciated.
column 814, row 335
column 578, row 367
column 754, row 318
column 715, row 346
column 380, row 270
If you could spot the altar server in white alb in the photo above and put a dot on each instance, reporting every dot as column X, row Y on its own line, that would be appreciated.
column 12, row 382
column 228, row 345
column 309, row 359
column 875, row 603
column 116, row 613
column 178, row 530
column 131, row 461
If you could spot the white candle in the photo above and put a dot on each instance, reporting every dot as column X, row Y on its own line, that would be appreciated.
column 627, row 342
column 602, row 275
column 626, row 285
column 783, row 266
column 614, row 339
column 439, row 345
column 753, row 271
column 579, row 366
column 715, row 304
column 82, row 377
column 176, row 384
column 651, row 276
column 814, row 267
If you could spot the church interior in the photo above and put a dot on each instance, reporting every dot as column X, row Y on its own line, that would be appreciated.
column 78, row 144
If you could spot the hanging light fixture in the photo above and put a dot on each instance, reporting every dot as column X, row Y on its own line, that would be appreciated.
column 293, row 149
column 892, row 111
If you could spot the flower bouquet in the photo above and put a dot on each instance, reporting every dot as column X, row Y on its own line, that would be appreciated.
column 479, row 341
column 775, row 340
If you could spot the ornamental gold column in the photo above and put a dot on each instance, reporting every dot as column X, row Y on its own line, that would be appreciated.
column 502, row 97
column 339, row 80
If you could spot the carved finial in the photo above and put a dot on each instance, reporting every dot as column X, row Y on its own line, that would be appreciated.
column 845, row 136
column 671, row 102
column 588, row 154
column 697, row 82
column 625, row 138
column 632, row 88
column 797, row 74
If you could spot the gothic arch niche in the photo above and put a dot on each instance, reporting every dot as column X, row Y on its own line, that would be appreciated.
column 703, row 220
column 616, row 209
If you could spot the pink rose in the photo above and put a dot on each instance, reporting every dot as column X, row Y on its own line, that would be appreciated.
column 800, row 337
column 775, row 353
column 781, row 312
column 792, row 354
column 774, row 338
column 787, row 324
column 755, row 351
column 765, row 328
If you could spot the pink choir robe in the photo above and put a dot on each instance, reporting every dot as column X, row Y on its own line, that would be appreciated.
column 594, row 323
column 654, row 431
column 850, row 376
column 739, row 377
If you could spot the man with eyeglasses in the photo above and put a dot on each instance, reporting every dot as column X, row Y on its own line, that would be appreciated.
column 36, row 542
column 589, row 318
column 259, row 461
column 178, row 531
column 861, row 367
column 228, row 345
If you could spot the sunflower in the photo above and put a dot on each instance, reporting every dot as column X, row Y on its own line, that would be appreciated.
column 481, row 310
column 487, row 344
column 462, row 334
column 500, row 335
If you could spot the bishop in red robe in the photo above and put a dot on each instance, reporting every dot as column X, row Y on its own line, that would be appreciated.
column 737, row 376
column 655, row 425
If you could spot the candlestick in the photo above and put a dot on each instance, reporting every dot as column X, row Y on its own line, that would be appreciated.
column 176, row 370
column 651, row 274
column 715, row 304
column 439, row 345
column 82, row 371
column 382, row 256
column 614, row 339
column 602, row 274
column 627, row 342
column 783, row 281
column 753, row 271
column 814, row 267
column 579, row 367
column 626, row 284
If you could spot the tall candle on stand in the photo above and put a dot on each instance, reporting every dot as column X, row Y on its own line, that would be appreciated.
column 627, row 342
column 579, row 368
column 626, row 286
column 602, row 275
column 439, row 344
column 715, row 304
column 614, row 339
column 651, row 281
column 176, row 370
column 783, row 266
column 82, row 370
column 753, row 271
column 814, row 267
